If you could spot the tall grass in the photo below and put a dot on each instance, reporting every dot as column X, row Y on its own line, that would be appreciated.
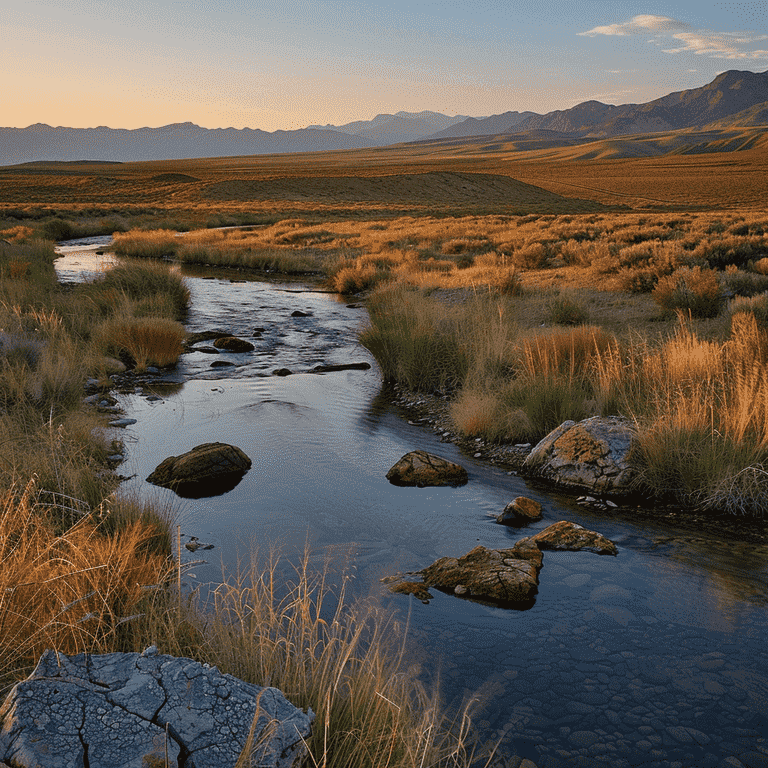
column 419, row 344
column 73, row 590
column 143, row 341
column 297, row 628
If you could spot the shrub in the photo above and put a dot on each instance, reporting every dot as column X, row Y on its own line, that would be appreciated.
column 567, row 310
column 691, row 289
column 531, row 256
column 349, row 280
column 755, row 305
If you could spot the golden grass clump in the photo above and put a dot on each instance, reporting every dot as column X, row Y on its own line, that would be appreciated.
column 153, row 244
column 144, row 340
column 72, row 590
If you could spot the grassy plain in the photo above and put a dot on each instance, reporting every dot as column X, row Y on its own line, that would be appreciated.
column 529, row 284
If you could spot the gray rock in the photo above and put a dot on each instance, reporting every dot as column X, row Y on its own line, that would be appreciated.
column 122, row 422
column 130, row 710
column 591, row 455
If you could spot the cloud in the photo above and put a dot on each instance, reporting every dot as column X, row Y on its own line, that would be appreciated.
column 703, row 42
column 639, row 24
column 718, row 45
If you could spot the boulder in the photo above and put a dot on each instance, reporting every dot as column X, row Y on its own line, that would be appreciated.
column 207, row 470
column 135, row 710
column 570, row 536
column 519, row 512
column 233, row 344
column 509, row 576
column 591, row 455
column 424, row 469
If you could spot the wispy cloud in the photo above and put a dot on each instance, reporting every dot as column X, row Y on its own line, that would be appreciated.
column 639, row 24
column 682, row 37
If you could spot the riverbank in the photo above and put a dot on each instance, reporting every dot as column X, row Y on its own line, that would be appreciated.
column 89, row 568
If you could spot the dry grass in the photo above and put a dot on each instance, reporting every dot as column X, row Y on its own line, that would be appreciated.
column 144, row 341
column 297, row 628
column 72, row 590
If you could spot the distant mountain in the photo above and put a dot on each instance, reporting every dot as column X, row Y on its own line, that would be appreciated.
column 178, row 141
column 756, row 115
column 728, row 94
column 392, row 129
column 734, row 99
column 483, row 126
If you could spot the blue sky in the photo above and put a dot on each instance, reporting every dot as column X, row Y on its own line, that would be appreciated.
column 285, row 64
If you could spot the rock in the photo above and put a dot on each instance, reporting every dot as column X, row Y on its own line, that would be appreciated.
column 416, row 588
column 299, row 313
column 591, row 455
column 341, row 367
column 205, row 350
column 195, row 338
column 519, row 512
column 112, row 365
column 131, row 710
column 221, row 364
column 122, row 422
column 569, row 536
column 233, row 344
column 423, row 469
column 282, row 372
column 207, row 470
column 508, row 576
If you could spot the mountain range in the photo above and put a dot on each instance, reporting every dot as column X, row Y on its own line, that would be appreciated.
column 733, row 98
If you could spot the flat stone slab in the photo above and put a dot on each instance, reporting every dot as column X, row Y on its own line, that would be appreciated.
column 131, row 710
column 422, row 469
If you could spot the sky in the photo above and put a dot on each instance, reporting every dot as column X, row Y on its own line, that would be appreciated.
column 286, row 64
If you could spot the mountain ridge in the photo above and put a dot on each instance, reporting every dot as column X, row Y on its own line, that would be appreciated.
column 732, row 96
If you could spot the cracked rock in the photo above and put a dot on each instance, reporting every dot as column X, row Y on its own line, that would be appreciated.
column 131, row 710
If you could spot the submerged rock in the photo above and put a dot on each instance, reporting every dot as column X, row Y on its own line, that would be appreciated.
column 565, row 535
column 501, row 575
column 519, row 512
column 421, row 469
column 591, row 455
column 505, row 576
column 341, row 367
column 209, row 469
column 233, row 344
column 134, row 710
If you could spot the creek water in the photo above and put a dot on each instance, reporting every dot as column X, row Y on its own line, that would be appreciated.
column 656, row 657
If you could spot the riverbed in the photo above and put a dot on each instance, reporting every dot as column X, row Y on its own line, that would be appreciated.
column 656, row 657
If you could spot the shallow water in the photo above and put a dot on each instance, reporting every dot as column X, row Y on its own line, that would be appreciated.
column 656, row 657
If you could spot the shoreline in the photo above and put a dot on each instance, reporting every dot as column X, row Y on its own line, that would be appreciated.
column 431, row 411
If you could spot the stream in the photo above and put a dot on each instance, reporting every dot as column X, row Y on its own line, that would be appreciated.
column 656, row 657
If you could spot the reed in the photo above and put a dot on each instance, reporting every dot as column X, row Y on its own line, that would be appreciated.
column 297, row 627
